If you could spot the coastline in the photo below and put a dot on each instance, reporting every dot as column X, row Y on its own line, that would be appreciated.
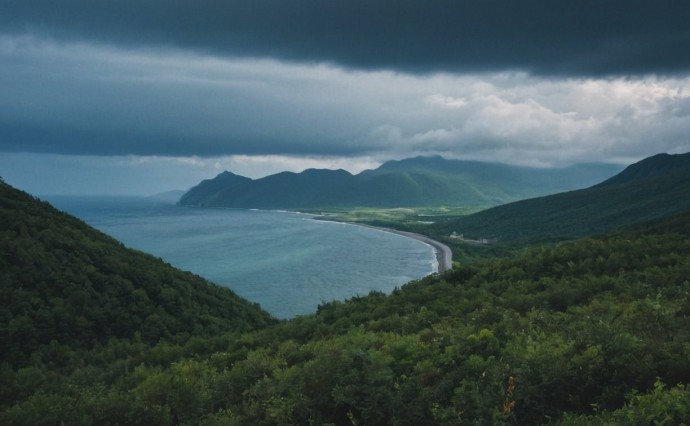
column 444, row 255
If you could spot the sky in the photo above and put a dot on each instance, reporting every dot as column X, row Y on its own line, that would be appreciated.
column 140, row 97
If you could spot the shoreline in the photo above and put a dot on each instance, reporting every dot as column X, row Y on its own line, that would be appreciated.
column 444, row 255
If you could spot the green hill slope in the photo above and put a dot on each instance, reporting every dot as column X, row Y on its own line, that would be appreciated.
column 588, row 332
column 421, row 181
column 592, row 332
column 64, row 284
column 656, row 165
column 654, row 188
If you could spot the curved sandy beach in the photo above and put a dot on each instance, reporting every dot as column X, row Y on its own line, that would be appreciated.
column 444, row 255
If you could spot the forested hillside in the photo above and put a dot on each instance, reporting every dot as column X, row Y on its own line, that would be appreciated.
column 594, row 331
column 653, row 188
column 65, row 286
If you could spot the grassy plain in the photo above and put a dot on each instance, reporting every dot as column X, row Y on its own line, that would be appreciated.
column 398, row 218
column 426, row 221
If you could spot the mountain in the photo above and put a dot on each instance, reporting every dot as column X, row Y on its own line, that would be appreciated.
column 656, row 165
column 420, row 181
column 656, row 187
column 209, row 191
column 589, row 332
column 64, row 284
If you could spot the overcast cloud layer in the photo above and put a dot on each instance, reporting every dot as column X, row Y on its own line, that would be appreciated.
column 583, row 37
column 263, row 85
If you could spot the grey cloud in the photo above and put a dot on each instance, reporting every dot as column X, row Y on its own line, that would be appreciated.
column 543, row 37
column 89, row 99
column 83, row 100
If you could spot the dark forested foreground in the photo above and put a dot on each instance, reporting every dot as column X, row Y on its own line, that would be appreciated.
column 595, row 331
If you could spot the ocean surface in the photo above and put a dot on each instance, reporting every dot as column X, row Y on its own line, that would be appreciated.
column 289, row 263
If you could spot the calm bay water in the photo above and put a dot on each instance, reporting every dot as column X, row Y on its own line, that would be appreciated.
column 289, row 263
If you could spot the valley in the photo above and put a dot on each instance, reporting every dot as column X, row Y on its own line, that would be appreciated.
column 555, row 329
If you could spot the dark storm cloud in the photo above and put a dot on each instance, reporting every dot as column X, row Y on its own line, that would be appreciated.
column 256, row 78
column 544, row 37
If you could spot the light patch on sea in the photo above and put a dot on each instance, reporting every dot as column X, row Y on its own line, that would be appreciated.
column 289, row 263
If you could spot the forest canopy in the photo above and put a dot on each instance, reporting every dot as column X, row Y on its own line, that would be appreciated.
column 592, row 331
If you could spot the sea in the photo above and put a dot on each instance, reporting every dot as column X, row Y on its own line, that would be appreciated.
column 287, row 262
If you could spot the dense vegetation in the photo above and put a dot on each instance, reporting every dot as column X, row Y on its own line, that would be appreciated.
column 421, row 181
column 594, row 331
column 654, row 188
column 65, row 287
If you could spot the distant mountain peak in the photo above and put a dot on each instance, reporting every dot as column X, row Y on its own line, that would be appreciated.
column 229, row 175
column 212, row 187
column 418, row 181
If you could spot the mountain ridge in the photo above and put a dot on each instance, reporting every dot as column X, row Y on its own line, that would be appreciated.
column 419, row 181
column 653, row 188
column 598, row 322
column 649, row 167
